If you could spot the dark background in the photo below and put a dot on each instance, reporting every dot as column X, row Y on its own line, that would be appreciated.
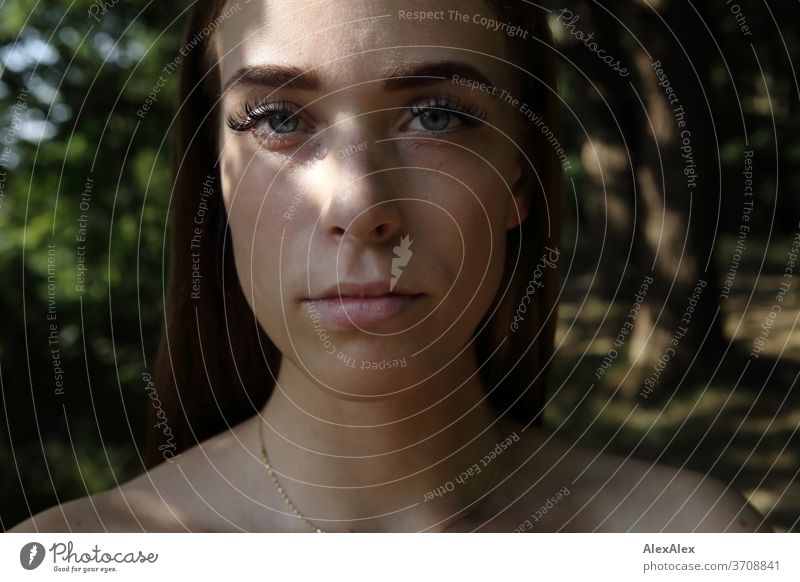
column 70, row 89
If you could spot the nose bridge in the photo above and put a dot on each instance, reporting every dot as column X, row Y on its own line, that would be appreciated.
column 361, row 206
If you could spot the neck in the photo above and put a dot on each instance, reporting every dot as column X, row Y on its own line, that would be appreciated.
column 361, row 463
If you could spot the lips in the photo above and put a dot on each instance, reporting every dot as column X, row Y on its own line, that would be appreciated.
column 361, row 304
column 359, row 290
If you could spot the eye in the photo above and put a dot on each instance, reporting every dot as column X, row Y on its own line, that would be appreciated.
column 434, row 119
column 270, row 121
column 439, row 113
column 282, row 122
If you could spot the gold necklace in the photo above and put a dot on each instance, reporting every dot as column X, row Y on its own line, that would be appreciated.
column 275, row 479
column 312, row 525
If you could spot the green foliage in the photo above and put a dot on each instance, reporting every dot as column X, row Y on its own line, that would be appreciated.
column 70, row 88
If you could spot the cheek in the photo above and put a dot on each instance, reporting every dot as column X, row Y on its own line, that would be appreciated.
column 466, row 204
column 465, row 216
column 263, row 196
column 254, row 210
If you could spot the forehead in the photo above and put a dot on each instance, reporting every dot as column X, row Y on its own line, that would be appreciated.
column 351, row 41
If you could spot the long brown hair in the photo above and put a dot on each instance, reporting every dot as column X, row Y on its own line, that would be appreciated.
column 215, row 366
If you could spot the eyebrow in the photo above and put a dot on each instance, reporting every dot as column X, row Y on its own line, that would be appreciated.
column 398, row 78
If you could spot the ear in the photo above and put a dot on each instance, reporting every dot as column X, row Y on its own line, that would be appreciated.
column 519, row 202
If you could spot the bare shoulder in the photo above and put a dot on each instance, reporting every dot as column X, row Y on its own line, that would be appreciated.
column 179, row 495
column 637, row 495
column 127, row 508
column 633, row 495
column 607, row 492
column 671, row 499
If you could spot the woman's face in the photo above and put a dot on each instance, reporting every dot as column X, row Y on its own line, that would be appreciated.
column 339, row 183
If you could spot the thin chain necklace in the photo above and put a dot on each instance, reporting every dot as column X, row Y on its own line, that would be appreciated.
column 311, row 524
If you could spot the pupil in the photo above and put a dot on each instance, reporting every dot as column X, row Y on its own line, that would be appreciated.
column 285, row 123
column 437, row 117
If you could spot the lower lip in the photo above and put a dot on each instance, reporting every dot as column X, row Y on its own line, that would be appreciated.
column 361, row 311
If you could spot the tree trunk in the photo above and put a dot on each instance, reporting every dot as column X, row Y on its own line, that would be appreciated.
column 652, row 181
column 679, row 196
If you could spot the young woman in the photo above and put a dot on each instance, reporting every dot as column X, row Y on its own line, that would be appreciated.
column 357, row 336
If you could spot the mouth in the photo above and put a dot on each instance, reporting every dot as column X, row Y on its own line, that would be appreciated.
column 360, row 305
column 348, row 290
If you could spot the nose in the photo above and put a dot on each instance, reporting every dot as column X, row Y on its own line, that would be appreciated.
column 362, row 208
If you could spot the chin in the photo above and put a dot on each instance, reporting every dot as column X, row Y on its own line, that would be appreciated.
column 363, row 373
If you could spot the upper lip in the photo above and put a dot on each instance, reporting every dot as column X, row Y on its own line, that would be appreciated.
column 352, row 289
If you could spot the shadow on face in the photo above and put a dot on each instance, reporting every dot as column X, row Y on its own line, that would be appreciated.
column 369, row 173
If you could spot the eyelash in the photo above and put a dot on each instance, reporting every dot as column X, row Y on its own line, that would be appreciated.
column 245, row 120
column 251, row 113
column 470, row 115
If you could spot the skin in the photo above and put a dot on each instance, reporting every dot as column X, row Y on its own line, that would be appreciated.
column 354, row 446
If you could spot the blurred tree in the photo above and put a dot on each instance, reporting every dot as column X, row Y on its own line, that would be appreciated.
column 661, row 97
column 84, row 190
